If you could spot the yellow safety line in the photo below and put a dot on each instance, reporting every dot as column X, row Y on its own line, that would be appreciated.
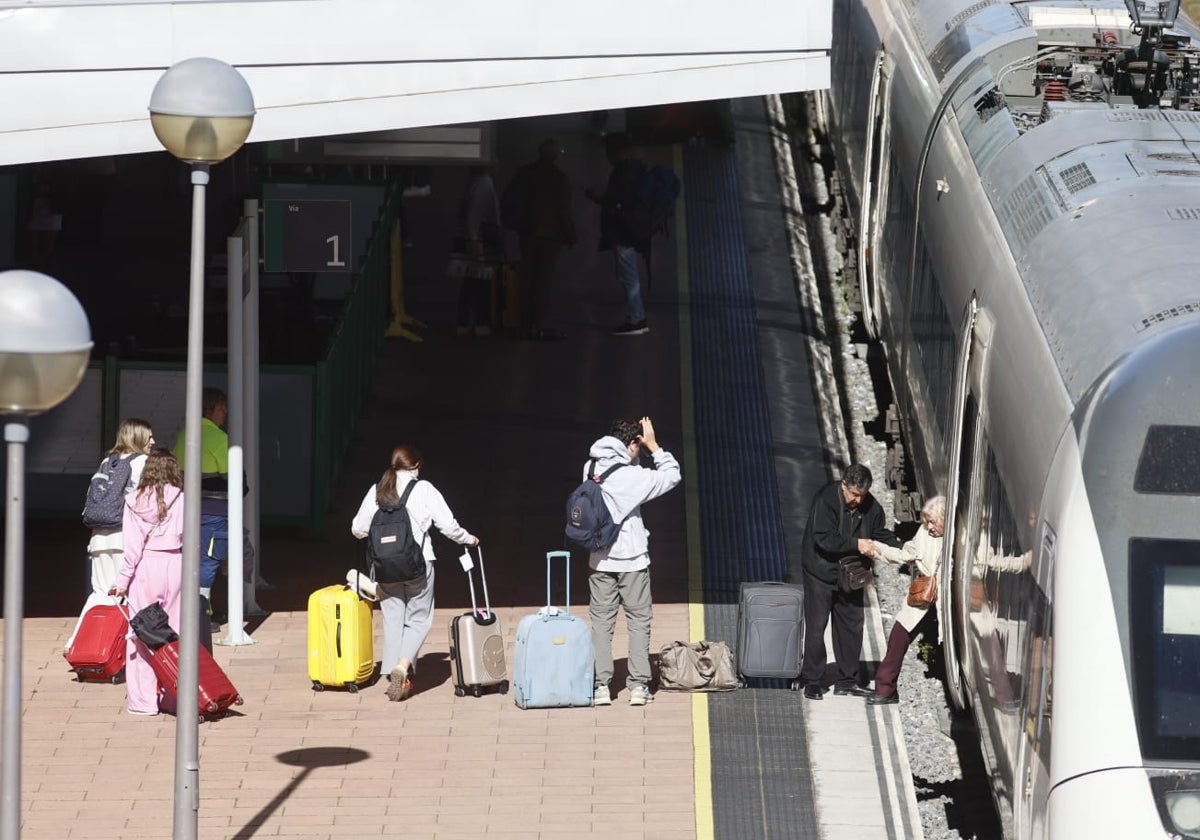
column 701, row 747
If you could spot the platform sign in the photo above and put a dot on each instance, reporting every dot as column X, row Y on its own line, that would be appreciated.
column 307, row 235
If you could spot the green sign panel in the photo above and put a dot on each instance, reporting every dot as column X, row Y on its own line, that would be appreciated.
column 307, row 235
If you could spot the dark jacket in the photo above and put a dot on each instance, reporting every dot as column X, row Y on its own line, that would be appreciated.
column 619, row 196
column 550, row 214
column 833, row 531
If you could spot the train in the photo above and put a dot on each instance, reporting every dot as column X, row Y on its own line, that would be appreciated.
column 1023, row 183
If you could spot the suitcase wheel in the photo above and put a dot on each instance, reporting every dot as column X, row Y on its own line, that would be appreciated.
column 318, row 686
column 795, row 686
column 504, row 687
column 116, row 679
column 459, row 691
column 237, row 701
column 352, row 688
column 477, row 691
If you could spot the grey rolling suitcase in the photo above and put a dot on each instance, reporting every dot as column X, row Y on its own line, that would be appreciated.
column 477, row 645
column 770, row 638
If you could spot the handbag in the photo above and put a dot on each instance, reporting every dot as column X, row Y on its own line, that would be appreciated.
column 151, row 625
column 696, row 666
column 853, row 574
column 922, row 591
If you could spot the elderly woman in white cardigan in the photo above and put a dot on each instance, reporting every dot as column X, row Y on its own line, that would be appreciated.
column 924, row 552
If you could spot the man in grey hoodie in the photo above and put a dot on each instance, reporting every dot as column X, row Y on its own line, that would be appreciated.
column 620, row 575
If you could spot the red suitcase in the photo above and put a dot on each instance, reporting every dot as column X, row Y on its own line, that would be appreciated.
column 216, row 691
column 98, row 652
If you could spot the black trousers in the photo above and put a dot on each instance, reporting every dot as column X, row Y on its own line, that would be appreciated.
column 822, row 602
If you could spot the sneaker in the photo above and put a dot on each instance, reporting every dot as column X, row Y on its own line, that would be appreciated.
column 400, row 686
column 639, row 695
column 640, row 328
column 601, row 697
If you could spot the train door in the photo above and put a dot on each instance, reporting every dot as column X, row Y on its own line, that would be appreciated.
column 873, row 206
column 962, row 513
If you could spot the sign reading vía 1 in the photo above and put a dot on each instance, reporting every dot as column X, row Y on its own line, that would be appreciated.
column 307, row 234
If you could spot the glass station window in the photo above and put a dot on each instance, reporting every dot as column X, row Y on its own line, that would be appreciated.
column 1164, row 586
column 1170, row 461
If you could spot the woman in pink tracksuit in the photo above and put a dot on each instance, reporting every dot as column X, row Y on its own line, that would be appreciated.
column 152, row 566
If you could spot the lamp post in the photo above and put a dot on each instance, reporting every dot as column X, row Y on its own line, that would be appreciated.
column 201, row 111
column 45, row 343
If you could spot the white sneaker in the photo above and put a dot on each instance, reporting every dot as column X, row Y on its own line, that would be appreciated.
column 639, row 695
column 363, row 585
column 601, row 697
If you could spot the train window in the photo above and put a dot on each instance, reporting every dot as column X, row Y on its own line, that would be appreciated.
column 1170, row 461
column 1164, row 586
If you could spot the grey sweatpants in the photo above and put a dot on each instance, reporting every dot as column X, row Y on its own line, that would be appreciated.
column 631, row 590
column 407, row 616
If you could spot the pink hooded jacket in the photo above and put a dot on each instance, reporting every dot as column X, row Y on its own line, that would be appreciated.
column 142, row 531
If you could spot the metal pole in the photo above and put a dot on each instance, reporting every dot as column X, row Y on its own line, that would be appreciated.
column 237, row 403
column 237, row 634
column 250, row 383
column 16, row 433
column 187, row 714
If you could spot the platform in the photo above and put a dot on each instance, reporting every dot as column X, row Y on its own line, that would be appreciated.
column 504, row 425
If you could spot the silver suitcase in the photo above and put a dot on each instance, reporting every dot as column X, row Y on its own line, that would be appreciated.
column 477, row 645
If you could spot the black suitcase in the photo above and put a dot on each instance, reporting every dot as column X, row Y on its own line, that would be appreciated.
column 770, row 640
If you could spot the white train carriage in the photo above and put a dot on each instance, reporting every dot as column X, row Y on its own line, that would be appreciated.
column 1026, row 180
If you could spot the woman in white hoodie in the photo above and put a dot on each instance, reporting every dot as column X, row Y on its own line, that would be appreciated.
column 134, row 440
column 407, row 606
column 151, row 566
column 924, row 551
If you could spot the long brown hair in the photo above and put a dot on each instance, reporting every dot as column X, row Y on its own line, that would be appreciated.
column 160, row 471
column 404, row 457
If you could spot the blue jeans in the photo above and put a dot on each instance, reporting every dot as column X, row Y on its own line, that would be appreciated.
column 631, row 281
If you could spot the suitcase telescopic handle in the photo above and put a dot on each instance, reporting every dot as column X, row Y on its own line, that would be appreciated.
column 487, row 604
column 551, row 556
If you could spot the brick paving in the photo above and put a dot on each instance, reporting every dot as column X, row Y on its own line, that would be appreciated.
column 291, row 762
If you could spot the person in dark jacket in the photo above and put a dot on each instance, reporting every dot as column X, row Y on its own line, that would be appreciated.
column 843, row 521
column 614, row 203
column 551, row 226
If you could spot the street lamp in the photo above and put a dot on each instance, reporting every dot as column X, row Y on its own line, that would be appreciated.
column 201, row 111
column 45, row 344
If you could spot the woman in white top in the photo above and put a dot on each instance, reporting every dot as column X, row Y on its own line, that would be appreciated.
column 135, row 438
column 408, row 606
column 924, row 552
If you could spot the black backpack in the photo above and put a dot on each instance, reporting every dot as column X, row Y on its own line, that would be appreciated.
column 589, row 524
column 104, row 505
column 395, row 555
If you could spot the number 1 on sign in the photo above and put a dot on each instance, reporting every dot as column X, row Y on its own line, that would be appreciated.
column 335, row 240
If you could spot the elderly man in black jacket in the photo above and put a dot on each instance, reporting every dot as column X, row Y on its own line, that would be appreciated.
column 843, row 520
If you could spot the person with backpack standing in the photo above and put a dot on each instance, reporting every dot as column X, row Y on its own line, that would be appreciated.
column 103, row 509
column 151, row 567
column 396, row 514
column 619, row 196
column 620, row 572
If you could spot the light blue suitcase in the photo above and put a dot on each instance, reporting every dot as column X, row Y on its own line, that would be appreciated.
column 553, row 662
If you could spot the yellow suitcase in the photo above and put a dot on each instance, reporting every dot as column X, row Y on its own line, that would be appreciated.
column 341, row 649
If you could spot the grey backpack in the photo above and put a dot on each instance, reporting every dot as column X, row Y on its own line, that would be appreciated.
column 104, row 505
